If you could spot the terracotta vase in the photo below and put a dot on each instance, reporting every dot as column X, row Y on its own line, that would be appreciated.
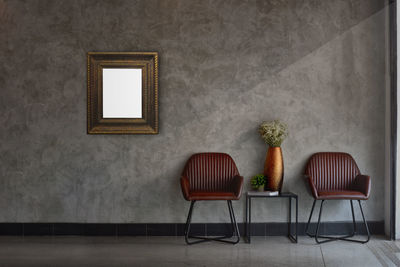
column 273, row 169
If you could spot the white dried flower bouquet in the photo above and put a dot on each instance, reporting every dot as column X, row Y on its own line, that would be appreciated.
column 273, row 132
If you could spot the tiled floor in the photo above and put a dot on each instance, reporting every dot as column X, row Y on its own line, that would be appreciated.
column 172, row 251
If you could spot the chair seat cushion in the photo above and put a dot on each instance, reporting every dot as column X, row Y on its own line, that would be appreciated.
column 217, row 195
column 341, row 194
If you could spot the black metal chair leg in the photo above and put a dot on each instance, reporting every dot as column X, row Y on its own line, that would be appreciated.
column 189, row 217
column 230, row 216
column 318, row 224
column 309, row 219
column 365, row 223
column 354, row 218
column 234, row 223
column 187, row 226
column 235, row 229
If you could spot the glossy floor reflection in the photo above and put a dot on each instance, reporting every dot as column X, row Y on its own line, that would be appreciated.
column 172, row 251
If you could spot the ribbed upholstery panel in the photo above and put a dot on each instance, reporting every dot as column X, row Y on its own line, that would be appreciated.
column 210, row 172
column 332, row 170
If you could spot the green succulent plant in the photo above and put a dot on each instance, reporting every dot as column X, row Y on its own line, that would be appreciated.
column 258, row 180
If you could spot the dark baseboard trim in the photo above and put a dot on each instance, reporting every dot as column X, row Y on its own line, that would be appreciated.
column 174, row 229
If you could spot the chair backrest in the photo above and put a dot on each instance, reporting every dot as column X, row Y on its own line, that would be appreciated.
column 332, row 170
column 210, row 171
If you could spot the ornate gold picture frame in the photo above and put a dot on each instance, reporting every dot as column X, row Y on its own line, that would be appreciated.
column 122, row 93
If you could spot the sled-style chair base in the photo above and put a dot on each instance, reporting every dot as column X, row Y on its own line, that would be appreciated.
column 318, row 237
column 235, row 229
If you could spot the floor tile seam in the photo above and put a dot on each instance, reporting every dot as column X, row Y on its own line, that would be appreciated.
column 322, row 255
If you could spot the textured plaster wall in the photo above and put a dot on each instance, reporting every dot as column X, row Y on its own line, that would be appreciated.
column 225, row 66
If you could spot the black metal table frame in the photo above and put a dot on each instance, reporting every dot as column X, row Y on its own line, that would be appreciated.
column 288, row 195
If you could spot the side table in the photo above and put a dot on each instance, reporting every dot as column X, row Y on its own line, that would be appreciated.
column 255, row 194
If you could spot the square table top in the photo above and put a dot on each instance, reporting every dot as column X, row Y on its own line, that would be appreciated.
column 253, row 193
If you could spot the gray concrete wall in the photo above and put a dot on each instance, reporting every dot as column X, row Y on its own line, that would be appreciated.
column 225, row 66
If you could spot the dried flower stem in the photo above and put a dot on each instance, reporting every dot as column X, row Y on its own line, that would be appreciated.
column 273, row 132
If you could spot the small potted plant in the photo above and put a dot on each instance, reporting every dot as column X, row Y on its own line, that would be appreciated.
column 258, row 182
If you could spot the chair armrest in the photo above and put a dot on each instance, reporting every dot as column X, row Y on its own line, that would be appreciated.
column 312, row 187
column 185, row 187
column 237, row 185
column 362, row 183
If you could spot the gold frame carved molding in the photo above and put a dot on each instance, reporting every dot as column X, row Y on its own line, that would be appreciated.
column 148, row 62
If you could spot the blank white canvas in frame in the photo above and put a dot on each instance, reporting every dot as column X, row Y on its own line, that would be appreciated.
column 122, row 93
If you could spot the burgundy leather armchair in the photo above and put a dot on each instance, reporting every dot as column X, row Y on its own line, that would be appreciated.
column 335, row 176
column 211, row 176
